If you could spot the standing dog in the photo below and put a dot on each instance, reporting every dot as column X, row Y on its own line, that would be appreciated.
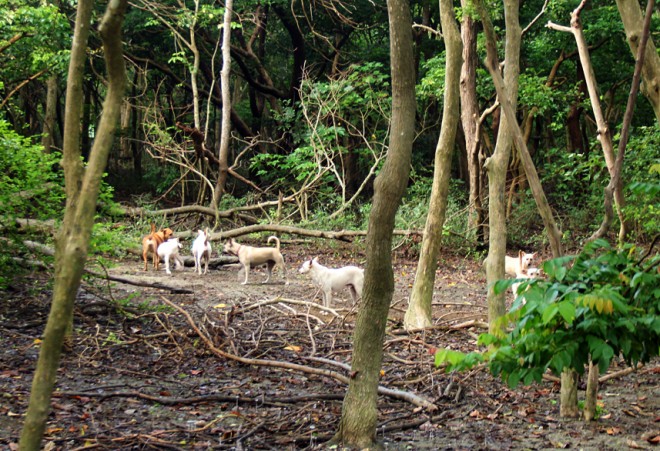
column 170, row 249
column 201, row 250
column 151, row 242
column 249, row 256
column 514, row 266
column 330, row 279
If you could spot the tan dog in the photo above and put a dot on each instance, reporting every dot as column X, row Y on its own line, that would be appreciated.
column 249, row 256
column 151, row 242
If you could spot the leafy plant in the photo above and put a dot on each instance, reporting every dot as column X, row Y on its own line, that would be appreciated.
column 604, row 305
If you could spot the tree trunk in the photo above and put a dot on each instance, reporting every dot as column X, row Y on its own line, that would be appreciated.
column 603, row 134
column 73, row 237
column 225, row 85
column 591, row 394
column 568, row 405
column 497, row 164
column 469, row 118
column 418, row 314
column 357, row 427
column 631, row 15
column 48, row 140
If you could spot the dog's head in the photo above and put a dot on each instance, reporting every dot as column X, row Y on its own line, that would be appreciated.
column 525, row 259
column 308, row 264
column 167, row 233
column 231, row 247
column 534, row 272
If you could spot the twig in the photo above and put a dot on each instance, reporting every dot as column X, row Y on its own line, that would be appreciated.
column 279, row 299
column 410, row 397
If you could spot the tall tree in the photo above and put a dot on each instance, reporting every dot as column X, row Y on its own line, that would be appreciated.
column 497, row 164
column 357, row 427
column 469, row 120
column 73, row 237
column 418, row 314
column 225, row 86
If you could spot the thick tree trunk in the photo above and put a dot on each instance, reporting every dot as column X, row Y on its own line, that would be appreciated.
column 418, row 314
column 73, row 238
column 568, row 405
column 357, row 427
column 631, row 15
column 469, row 118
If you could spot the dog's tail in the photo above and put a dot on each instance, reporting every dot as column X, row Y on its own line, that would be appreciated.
column 277, row 241
column 153, row 228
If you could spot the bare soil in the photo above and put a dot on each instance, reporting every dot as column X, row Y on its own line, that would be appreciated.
column 138, row 375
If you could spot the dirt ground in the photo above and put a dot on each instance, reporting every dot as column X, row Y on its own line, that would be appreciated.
column 142, row 375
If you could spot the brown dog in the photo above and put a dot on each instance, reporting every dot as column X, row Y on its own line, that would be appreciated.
column 151, row 242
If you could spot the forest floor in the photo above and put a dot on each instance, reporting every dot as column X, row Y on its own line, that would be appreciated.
column 141, row 374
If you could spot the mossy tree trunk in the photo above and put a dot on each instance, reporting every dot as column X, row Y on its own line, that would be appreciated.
column 82, row 193
column 357, row 427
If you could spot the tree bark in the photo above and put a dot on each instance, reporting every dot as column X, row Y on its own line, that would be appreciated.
column 357, row 427
column 225, row 85
column 568, row 406
column 631, row 16
column 48, row 140
column 591, row 394
column 469, row 119
column 497, row 164
column 603, row 133
column 73, row 238
column 418, row 314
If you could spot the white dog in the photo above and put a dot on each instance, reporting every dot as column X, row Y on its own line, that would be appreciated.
column 170, row 249
column 251, row 257
column 330, row 279
column 518, row 265
column 201, row 250
column 529, row 273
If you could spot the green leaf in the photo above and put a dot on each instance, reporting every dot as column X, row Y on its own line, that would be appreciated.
column 567, row 311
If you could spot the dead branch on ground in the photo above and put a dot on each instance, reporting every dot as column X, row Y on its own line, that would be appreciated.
column 397, row 394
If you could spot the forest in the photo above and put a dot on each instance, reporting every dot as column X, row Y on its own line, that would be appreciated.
column 491, row 167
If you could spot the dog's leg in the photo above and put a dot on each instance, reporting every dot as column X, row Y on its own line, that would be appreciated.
column 327, row 296
column 156, row 258
column 167, row 264
column 246, row 268
column 286, row 276
column 354, row 294
column 269, row 270
column 145, row 257
column 206, row 262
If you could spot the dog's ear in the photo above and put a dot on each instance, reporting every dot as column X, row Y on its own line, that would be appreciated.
column 315, row 260
column 520, row 254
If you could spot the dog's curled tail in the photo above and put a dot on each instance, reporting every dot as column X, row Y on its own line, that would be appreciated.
column 277, row 241
column 153, row 228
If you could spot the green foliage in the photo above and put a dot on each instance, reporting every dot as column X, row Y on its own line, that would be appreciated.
column 30, row 187
column 605, row 304
column 337, row 117
column 641, row 174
